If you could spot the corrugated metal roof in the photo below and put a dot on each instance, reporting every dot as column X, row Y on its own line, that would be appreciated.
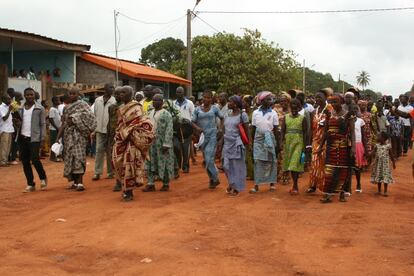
column 133, row 69
column 43, row 39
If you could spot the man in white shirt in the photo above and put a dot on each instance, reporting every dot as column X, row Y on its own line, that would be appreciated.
column 6, row 129
column 183, row 131
column 54, row 124
column 406, row 108
column 100, row 109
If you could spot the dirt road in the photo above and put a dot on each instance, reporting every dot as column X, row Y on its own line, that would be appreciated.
column 194, row 231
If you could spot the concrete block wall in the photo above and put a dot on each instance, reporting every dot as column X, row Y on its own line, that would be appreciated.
column 90, row 73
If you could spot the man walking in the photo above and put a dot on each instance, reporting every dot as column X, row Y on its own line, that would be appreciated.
column 54, row 125
column 406, row 108
column 133, row 137
column 101, row 112
column 32, row 134
column 6, row 129
column 183, row 130
column 161, row 160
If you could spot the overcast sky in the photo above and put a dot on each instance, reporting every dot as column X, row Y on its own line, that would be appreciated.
column 380, row 43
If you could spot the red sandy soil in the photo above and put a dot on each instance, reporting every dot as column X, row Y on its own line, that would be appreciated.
column 194, row 231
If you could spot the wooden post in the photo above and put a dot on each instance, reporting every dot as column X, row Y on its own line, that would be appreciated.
column 4, row 79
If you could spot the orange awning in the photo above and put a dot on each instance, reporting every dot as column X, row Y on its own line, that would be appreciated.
column 134, row 70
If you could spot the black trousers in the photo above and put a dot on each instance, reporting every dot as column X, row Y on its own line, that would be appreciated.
column 29, row 154
column 407, row 137
column 182, row 152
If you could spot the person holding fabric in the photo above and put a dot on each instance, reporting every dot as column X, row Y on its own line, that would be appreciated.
column 133, row 137
column 338, row 152
column 161, row 154
column 320, row 119
column 265, row 124
column 183, row 131
column 204, row 121
column 234, row 153
column 295, row 133
column 111, row 129
column 79, row 123
column 100, row 109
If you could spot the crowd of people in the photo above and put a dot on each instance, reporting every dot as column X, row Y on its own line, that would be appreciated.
column 266, row 137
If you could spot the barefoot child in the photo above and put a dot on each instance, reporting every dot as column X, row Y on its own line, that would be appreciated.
column 381, row 170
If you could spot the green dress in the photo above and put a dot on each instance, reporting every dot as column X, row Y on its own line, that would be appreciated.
column 293, row 146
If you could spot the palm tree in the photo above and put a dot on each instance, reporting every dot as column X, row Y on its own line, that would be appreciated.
column 363, row 79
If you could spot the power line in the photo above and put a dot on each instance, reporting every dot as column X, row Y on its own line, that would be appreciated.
column 311, row 11
column 147, row 22
column 208, row 24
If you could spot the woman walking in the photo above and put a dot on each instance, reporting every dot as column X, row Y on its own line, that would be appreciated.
column 369, row 128
column 79, row 123
column 233, row 149
column 247, row 106
column 295, row 133
column 265, row 132
column 338, row 152
column 204, row 121
column 320, row 118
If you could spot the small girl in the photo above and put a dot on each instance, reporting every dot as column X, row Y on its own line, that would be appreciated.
column 381, row 171
column 360, row 146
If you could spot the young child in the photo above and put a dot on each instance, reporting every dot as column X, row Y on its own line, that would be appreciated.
column 381, row 171
column 360, row 146
column 396, row 131
column 294, row 130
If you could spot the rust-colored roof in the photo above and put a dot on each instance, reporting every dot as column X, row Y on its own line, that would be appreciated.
column 133, row 69
column 43, row 39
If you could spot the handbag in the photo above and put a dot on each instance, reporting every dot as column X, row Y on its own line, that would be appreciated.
column 243, row 135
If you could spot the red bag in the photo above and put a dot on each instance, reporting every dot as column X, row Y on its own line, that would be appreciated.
column 243, row 135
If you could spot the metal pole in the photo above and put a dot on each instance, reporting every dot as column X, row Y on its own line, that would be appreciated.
column 304, row 77
column 12, row 54
column 189, row 56
column 116, row 47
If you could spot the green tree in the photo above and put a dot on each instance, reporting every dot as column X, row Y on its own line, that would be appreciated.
column 163, row 54
column 230, row 63
column 363, row 79
column 317, row 80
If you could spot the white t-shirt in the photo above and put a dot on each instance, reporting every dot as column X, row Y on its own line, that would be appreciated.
column 186, row 108
column 406, row 109
column 55, row 115
column 27, row 122
column 60, row 108
column 359, row 123
column 5, row 126
column 309, row 108
column 265, row 122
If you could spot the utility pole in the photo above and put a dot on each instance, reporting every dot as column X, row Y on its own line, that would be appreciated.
column 189, row 56
column 116, row 47
column 304, row 77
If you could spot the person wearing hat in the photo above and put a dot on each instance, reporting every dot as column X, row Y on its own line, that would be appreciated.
column 139, row 96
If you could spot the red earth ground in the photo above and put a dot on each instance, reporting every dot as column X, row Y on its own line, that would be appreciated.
column 194, row 231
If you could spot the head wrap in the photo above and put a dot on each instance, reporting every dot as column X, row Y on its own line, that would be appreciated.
column 139, row 93
column 247, row 97
column 262, row 95
column 362, row 102
column 237, row 100
column 327, row 91
column 286, row 95
column 349, row 93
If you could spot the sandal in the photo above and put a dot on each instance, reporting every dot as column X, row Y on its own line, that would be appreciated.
column 293, row 192
column 326, row 199
column 272, row 188
column 342, row 197
column 234, row 193
column 311, row 190
column 253, row 191
column 229, row 190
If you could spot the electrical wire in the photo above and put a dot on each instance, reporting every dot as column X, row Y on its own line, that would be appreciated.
column 311, row 11
column 147, row 22
column 208, row 24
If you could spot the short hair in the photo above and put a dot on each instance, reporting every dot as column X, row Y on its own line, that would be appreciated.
column 5, row 98
column 296, row 101
column 54, row 98
column 157, row 91
column 208, row 92
column 10, row 90
column 29, row 89
column 385, row 135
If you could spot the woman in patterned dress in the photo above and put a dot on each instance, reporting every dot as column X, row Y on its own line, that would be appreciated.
column 294, row 130
column 339, row 148
column 319, row 120
column 284, row 108
column 369, row 129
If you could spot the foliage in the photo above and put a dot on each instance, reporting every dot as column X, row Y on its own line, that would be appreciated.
column 372, row 95
column 163, row 54
column 363, row 79
column 316, row 80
